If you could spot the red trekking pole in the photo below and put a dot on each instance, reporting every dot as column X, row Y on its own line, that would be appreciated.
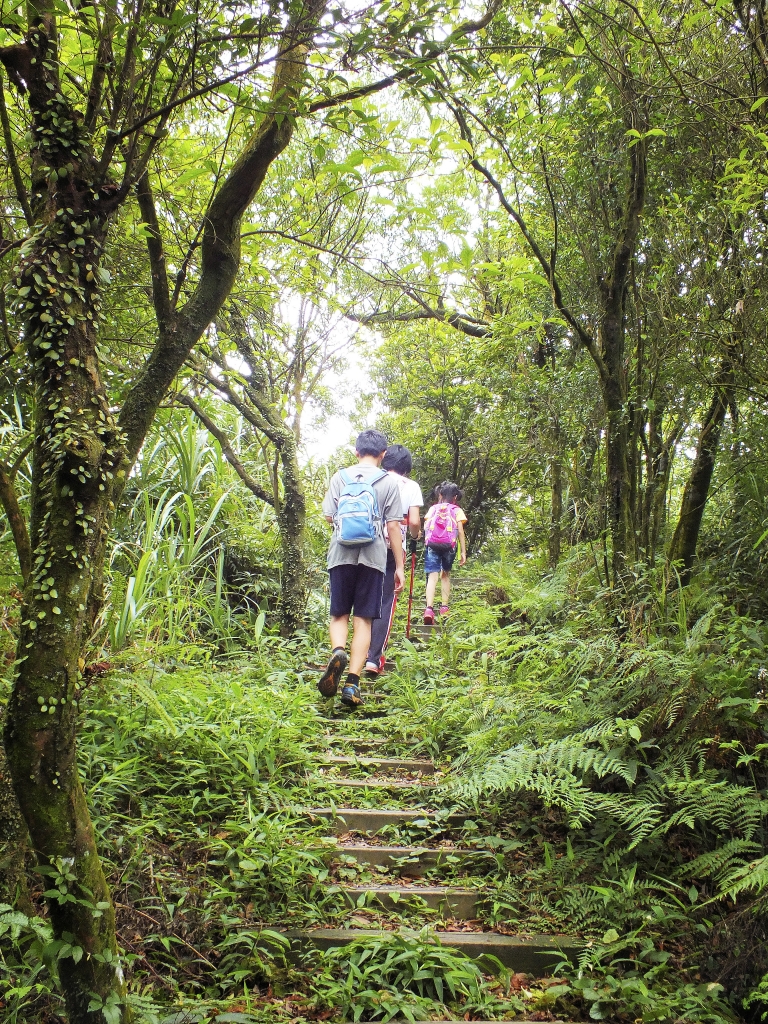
column 410, row 592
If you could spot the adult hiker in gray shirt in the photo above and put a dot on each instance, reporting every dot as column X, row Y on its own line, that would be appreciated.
column 357, row 564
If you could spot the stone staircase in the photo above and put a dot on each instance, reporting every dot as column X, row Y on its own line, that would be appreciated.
column 378, row 866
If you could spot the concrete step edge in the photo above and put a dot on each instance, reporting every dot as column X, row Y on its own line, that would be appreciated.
column 449, row 901
column 373, row 819
column 430, row 890
column 410, row 764
column 344, row 783
column 534, row 954
column 411, row 851
column 410, row 861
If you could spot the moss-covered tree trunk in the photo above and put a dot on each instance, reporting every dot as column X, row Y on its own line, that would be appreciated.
column 618, row 480
column 556, row 512
column 14, row 841
column 611, row 339
column 682, row 549
column 290, row 505
column 77, row 449
column 291, row 521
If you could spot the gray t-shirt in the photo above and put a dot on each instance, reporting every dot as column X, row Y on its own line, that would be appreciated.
column 390, row 508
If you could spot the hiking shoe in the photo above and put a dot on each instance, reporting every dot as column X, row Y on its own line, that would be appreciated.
column 429, row 617
column 443, row 609
column 376, row 668
column 328, row 683
column 351, row 696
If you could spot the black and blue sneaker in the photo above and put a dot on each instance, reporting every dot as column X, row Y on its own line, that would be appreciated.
column 351, row 696
column 328, row 683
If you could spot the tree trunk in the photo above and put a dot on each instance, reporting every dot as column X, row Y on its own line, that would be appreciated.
column 16, row 520
column 618, row 482
column 658, row 471
column 682, row 550
column 611, row 337
column 291, row 522
column 264, row 415
column 555, row 528
column 14, row 848
column 76, row 455
column 77, row 450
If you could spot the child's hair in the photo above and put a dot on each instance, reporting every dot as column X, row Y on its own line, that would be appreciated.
column 398, row 459
column 448, row 491
column 371, row 442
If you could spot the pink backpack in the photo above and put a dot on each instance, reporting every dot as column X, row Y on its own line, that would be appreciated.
column 441, row 527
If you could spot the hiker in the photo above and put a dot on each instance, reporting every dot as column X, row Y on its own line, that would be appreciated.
column 363, row 503
column 443, row 534
column 398, row 462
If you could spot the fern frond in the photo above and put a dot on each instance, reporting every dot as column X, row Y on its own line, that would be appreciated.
column 727, row 858
column 750, row 877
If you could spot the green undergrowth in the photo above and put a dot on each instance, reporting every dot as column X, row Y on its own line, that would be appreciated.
column 623, row 748
column 610, row 763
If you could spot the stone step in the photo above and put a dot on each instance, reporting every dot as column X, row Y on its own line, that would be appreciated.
column 341, row 782
column 535, row 954
column 339, row 713
column 458, row 903
column 385, row 763
column 422, row 630
column 373, row 819
column 359, row 745
column 409, row 861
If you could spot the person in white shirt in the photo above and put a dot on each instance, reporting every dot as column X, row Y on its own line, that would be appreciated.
column 398, row 462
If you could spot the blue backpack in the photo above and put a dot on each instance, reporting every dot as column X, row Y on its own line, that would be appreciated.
column 357, row 518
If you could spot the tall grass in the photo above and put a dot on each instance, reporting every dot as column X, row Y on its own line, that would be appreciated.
column 170, row 577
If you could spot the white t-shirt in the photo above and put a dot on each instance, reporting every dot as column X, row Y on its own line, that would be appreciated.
column 410, row 493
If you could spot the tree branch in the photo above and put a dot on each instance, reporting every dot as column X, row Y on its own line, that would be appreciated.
column 455, row 320
column 435, row 51
column 220, row 248
column 160, row 294
column 558, row 301
column 13, row 163
column 18, row 524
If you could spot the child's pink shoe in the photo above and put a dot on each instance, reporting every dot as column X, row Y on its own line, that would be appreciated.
column 429, row 617
column 443, row 610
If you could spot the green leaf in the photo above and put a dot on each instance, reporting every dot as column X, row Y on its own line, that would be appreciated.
column 190, row 175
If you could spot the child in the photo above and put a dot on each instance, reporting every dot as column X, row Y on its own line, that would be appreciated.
column 363, row 502
column 443, row 533
column 398, row 462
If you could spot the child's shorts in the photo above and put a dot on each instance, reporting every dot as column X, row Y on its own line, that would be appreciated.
column 439, row 561
column 357, row 588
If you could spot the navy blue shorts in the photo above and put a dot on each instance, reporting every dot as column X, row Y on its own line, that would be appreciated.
column 439, row 561
column 357, row 589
